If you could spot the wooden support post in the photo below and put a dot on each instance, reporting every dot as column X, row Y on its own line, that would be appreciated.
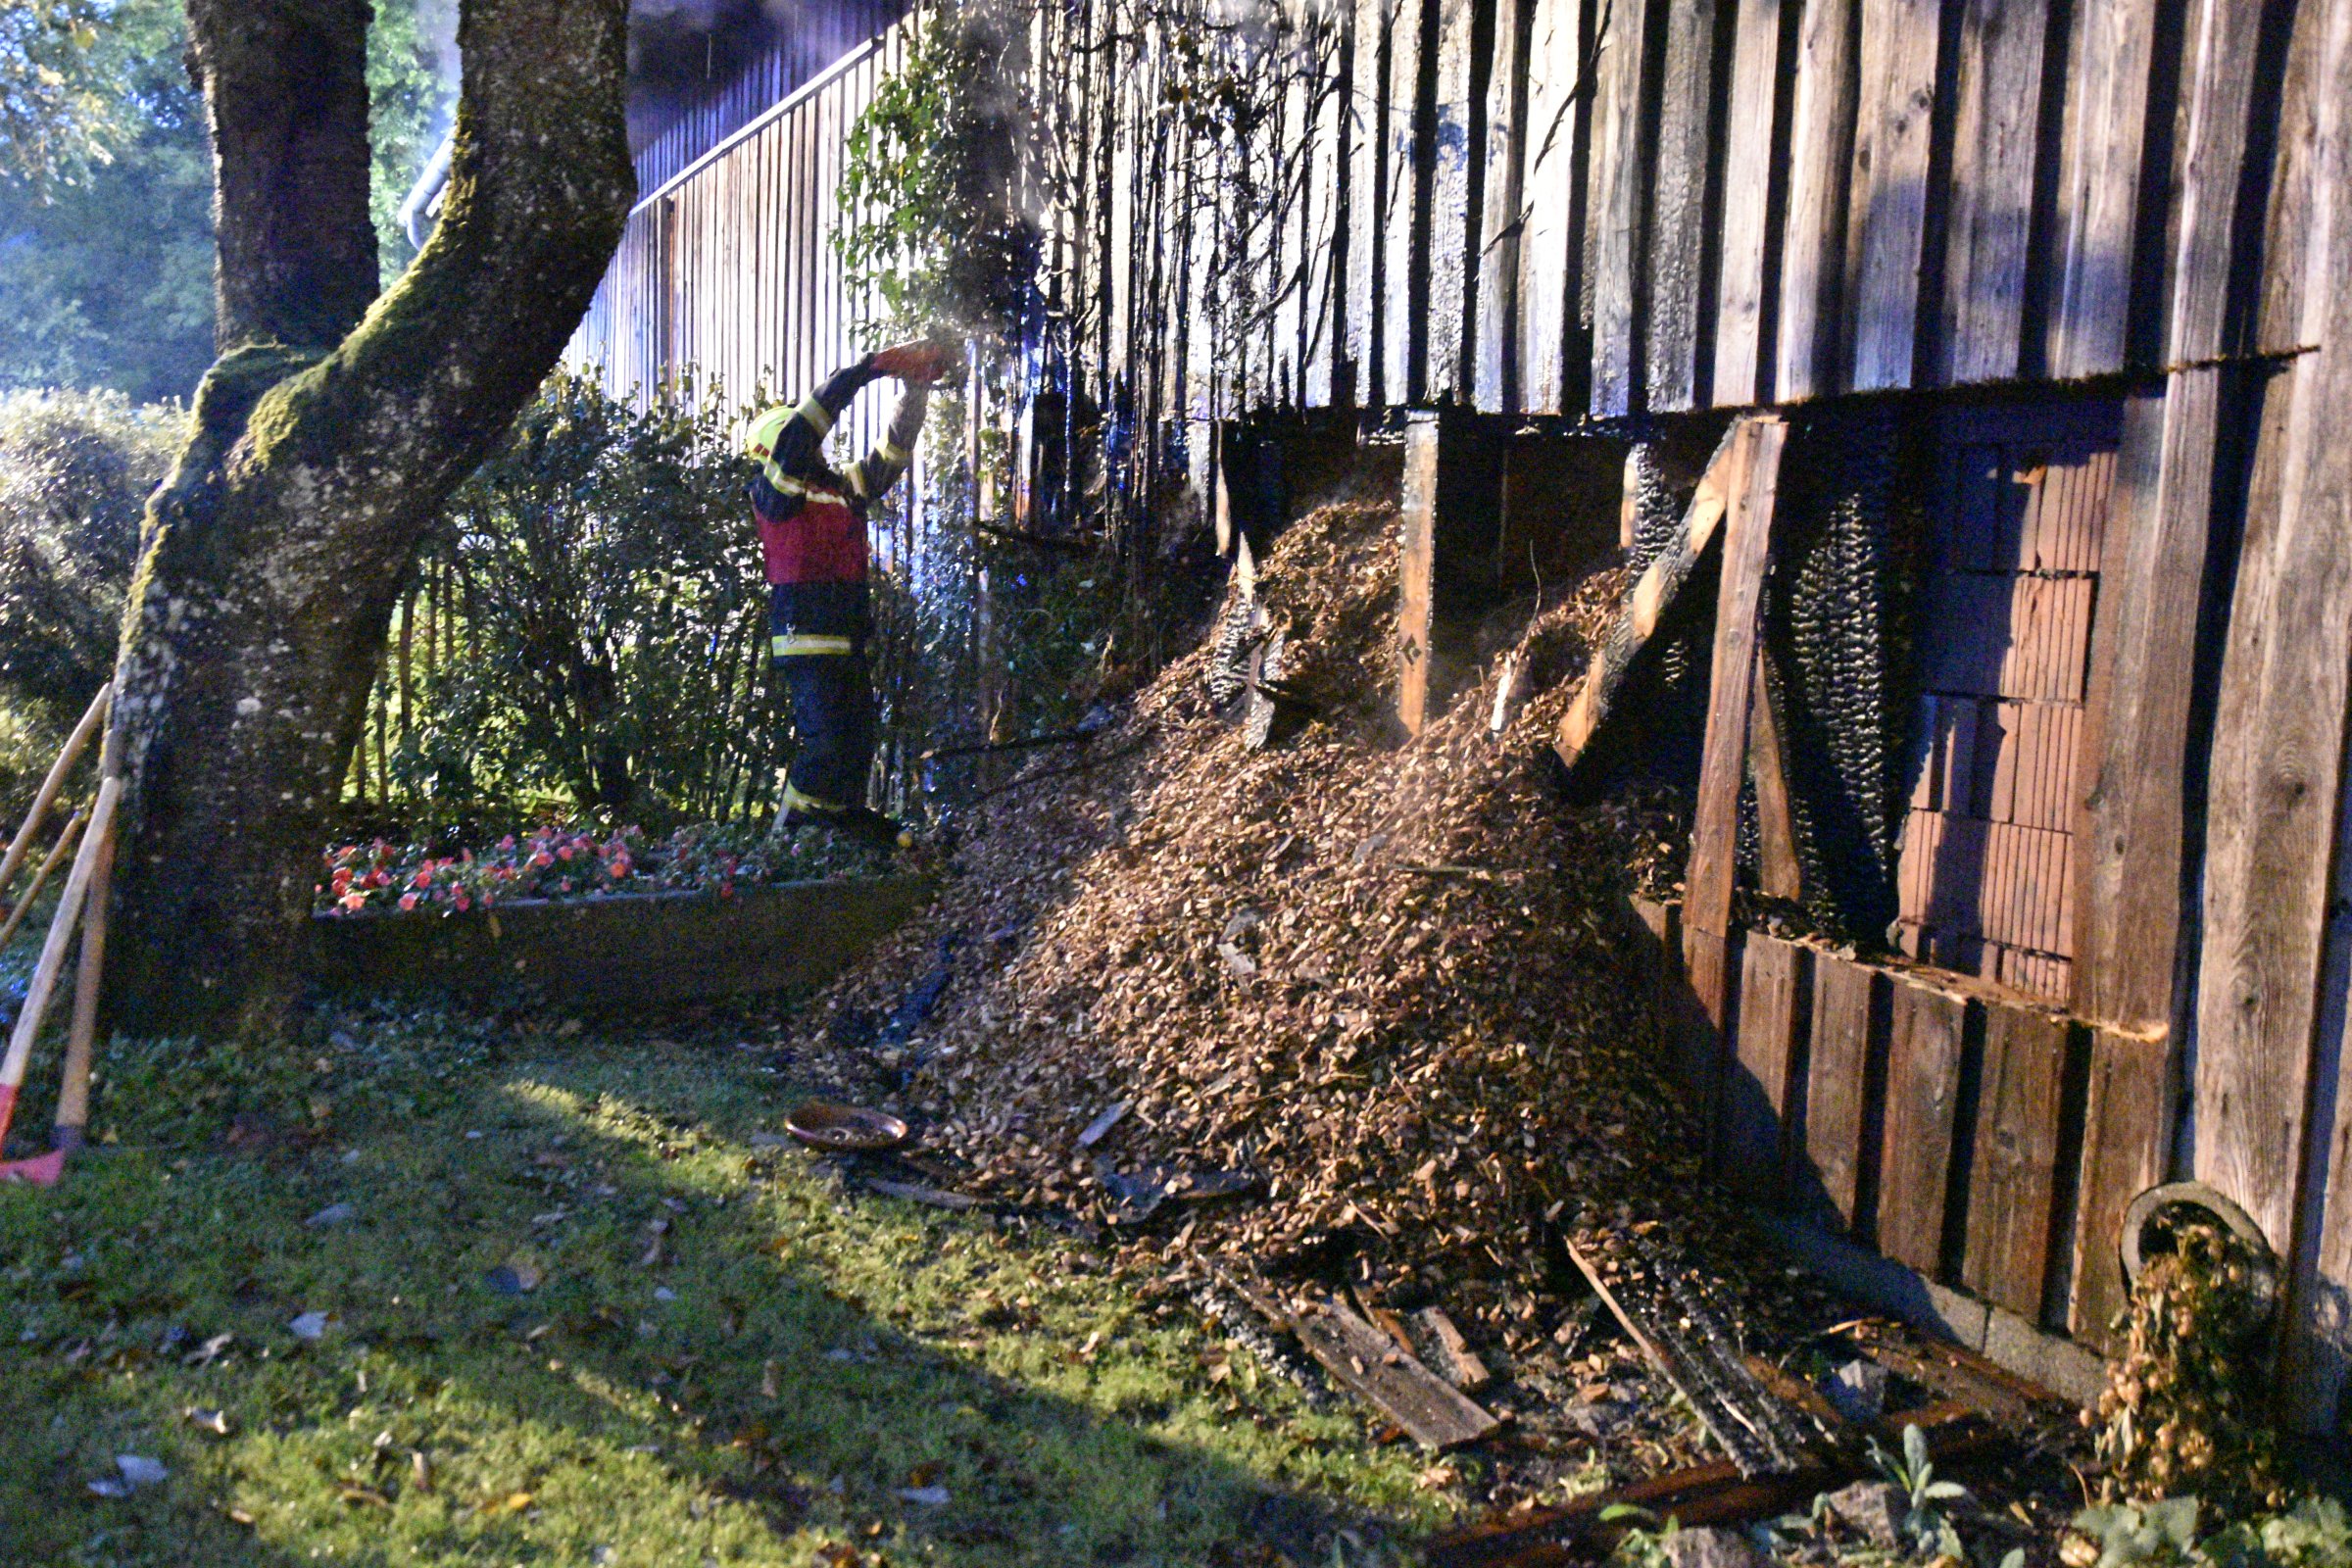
column 1450, row 500
column 1747, row 546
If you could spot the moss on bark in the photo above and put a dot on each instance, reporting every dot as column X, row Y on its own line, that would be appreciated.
column 272, row 560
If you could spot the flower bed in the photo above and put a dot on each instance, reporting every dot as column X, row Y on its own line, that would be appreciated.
column 558, row 864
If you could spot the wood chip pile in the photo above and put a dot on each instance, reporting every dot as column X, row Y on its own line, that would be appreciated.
column 1381, row 986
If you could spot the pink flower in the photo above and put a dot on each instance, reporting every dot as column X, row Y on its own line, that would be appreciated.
column 542, row 859
column 507, row 843
column 564, row 853
column 408, row 900
column 354, row 901
column 459, row 899
column 423, row 878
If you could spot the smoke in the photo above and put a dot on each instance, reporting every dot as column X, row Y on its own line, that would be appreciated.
column 675, row 46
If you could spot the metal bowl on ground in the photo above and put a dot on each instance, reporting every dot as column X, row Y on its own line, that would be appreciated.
column 845, row 1129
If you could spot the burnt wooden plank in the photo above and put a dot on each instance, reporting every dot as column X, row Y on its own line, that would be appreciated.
column 1774, row 989
column 1997, row 123
column 1747, row 551
column 1328, row 257
column 2105, row 131
column 1750, row 171
column 2126, row 1129
column 1821, row 145
column 1374, row 1367
column 1621, row 154
column 2013, row 1171
column 1550, row 248
column 1846, row 1010
column 1887, row 232
column 1369, row 176
column 1923, row 1093
column 1503, row 225
column 1663, row 1305
column 1405, row 220
column 1453, row 218
column 1678, row 216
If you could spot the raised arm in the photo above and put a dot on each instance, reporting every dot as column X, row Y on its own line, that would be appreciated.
column 875, row 474
column 799, row 445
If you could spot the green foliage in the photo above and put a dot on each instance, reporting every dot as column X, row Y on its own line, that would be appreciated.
column 931, row 187
column 58, row 116
column 615, row 619
column 75, row 473
column 2315, row 1533
column 106, row 258
column 1915, row 1473
column 106, row 279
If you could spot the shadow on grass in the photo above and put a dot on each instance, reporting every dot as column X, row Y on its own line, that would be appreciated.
column 720, row 1357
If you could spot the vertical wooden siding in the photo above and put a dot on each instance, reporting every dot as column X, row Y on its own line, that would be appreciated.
column 1563, row 208
column 726, row 282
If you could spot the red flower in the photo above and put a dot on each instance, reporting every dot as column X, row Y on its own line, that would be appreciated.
column 354, row 901
column 423, row 878
column 459, row 899
column 408, row 900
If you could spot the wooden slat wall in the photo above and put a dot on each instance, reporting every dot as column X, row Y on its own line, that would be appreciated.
column 1560, row 207
column 1974, row 1137
column 728, row 277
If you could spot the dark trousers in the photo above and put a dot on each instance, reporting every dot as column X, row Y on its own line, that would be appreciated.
column 833, row 719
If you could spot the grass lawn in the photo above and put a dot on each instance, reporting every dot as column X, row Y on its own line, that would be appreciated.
column 300, row 1289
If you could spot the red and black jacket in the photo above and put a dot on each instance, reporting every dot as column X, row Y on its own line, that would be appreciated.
column 812, row 520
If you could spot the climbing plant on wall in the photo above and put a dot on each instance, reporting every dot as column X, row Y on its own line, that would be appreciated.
column 933, row 187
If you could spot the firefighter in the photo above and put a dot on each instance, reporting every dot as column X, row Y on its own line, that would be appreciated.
column 813, row 546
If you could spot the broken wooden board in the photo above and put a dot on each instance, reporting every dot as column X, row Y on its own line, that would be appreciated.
column 1456, row 1362
column 1588, row 1528
column 1667, row 1315
column 1372, row 1366
column 1960, row 1375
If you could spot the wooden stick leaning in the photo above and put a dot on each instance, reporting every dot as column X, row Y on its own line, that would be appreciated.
column 74, row 744
column 72, row 1122
column 40, row 877
column 53, row 950
column 1660, row 582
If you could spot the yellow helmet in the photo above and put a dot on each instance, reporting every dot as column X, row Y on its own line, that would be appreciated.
column 761, row 444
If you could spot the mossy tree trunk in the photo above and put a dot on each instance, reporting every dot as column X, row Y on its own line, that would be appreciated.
column 326, row 436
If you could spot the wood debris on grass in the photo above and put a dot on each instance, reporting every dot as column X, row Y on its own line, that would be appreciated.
column 1390, row 977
